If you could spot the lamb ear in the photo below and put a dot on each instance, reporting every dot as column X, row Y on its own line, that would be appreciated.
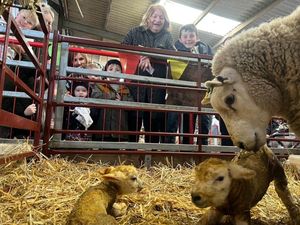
column 108, row 170
column 239, row 172
column 110, row 177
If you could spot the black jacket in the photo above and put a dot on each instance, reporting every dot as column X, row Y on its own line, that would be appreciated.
column 144, row 37
column 201, row 47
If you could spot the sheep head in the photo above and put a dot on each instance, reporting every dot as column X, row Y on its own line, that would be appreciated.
column 125, row 177
column 213, row 179
column 245, row 120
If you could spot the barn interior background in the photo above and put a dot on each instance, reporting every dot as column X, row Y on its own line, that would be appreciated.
column 43, row 191
column 112, row 19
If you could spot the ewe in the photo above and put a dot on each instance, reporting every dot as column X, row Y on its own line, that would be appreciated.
column 257, row 77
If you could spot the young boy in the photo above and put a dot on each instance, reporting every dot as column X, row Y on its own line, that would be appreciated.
column 188, row 42
column 25, row 19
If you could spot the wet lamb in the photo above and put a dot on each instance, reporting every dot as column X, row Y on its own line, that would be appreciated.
column 233, row 188
column 95, row 205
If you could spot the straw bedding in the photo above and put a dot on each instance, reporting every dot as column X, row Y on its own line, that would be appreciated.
column 44, row 191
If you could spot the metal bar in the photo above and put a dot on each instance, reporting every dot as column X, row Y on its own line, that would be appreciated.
column 136, row 49
column 49, row 108
column 22, row 85
column 96, row 102
column 10, row 158
column 206, row 11
column 30, row 33
column 95, row 52
column 3, row 63
column 61, row 87
column 15, row 121
column 132, row 77
column 25, row 64
column 43, row 78
column 139, row 152
column 41, row 20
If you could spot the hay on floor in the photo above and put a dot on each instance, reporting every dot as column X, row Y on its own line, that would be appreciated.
column 44, row 192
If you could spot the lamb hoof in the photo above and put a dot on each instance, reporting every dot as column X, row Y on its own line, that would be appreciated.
column 119, row 209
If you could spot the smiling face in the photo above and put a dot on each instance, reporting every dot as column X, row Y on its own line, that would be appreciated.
column 79, row 60
column 188, row 38
column 156, row 21
column 114, row 68
column 245, row 120
column 26, row 19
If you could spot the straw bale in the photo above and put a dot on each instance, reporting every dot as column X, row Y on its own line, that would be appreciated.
column 12, row 149
column 44, row 192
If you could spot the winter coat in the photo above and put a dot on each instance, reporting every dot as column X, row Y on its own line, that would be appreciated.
column 201, row 48
column 107, row 118
column 144, row 37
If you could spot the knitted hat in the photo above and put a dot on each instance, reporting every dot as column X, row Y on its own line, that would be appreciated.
column 80, row 83
column 113, row 61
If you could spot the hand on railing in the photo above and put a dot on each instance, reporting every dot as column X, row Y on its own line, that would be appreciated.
column 145, row 64
column 30, row 110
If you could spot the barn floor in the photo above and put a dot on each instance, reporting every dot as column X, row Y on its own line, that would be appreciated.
column 44, row 192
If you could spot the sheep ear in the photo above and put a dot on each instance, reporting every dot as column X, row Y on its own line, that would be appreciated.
column 238, row 172
column 216, row 82
column 108, row 170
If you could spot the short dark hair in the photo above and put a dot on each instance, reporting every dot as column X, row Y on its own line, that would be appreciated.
column 188, row 27
column 113, row 61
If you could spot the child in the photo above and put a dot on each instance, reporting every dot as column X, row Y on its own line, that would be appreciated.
column 112, row 119
column 78, row 118
column 48, row 15
column 25, row 19
column 188, row 42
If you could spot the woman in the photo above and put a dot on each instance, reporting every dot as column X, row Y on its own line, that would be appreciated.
column 153, row 32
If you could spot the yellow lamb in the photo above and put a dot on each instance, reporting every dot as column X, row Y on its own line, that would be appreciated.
column 95, row 205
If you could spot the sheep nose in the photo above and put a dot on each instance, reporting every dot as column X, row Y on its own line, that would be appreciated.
column 195, row 198
column 241, row 145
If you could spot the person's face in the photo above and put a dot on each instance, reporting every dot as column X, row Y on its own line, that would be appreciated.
column 93, row 76
column 79, row 60
column 188, row 38
column 48, row 20
column 80, row 91
column 114, row 68
column 156, row 21
column 23, row 21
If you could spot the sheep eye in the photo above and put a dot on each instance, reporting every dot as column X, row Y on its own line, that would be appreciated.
column 220, row 178
column 134, row 178
column 230, row 99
